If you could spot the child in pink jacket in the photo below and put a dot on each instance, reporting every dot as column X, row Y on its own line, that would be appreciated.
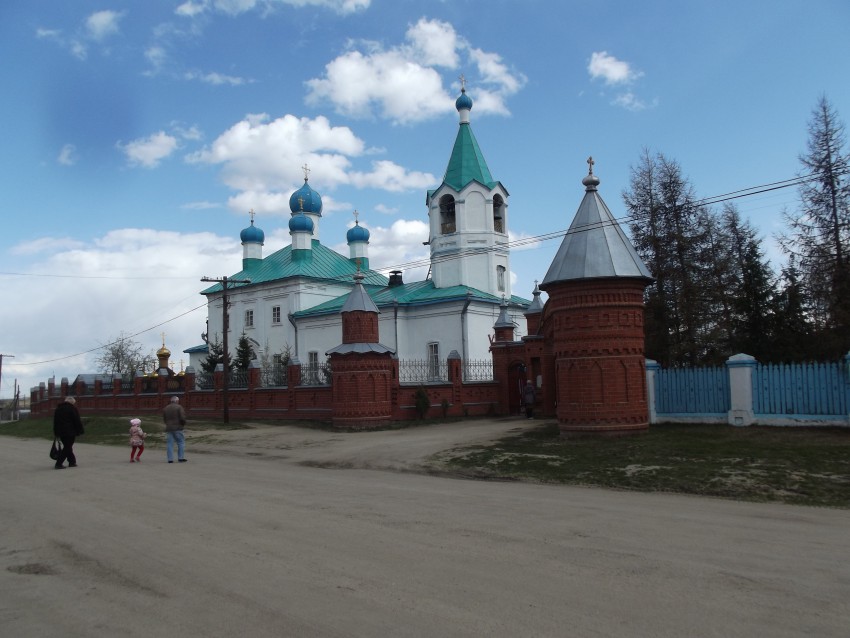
column 137, row 440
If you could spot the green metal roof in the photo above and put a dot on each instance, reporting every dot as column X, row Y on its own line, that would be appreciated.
column 467, row 163
column 320, row 263
column 418, row 293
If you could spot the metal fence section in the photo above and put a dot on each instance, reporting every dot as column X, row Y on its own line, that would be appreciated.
column 478, row 370
column 422, row 371
column 801, row 389
column 273, row 377
column 316, row 374
column 238, row 379
column 692, row 391
column 204, row 381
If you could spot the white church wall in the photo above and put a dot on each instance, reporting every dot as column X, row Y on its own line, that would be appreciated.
column 471, row 215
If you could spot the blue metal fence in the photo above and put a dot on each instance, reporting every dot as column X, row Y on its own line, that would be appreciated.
column 801, row 389
column 692, row 391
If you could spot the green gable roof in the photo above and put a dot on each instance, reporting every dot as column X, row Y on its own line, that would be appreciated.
column 320, row 263
column 467, row 162
column 413, row 294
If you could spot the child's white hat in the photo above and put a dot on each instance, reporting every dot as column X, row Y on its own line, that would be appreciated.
column 135, row 421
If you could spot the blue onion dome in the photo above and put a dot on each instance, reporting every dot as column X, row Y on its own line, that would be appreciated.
column 464, row 101
column 357, row 233
column 252, row 235
column 300, row 223
column 306, row 199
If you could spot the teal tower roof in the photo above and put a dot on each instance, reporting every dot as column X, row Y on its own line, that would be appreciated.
column 466, row 163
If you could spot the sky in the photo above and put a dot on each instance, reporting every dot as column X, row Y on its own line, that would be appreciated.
column 139, row 135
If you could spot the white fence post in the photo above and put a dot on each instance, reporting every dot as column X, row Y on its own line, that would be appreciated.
column 740, row 368
column 651, row 368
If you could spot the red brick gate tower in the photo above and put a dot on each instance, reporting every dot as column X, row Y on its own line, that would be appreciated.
column 594, row 321
column 363, row 370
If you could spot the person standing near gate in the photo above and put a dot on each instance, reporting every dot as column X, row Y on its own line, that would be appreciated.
column 67, row 425
column 174, row 417
column 529, row 396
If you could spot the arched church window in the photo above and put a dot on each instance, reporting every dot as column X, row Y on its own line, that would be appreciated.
column 500, row 278
column 498, row 214
column 447, row 215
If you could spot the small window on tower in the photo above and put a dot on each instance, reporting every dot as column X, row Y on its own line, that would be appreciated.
column 500, row 278
column 249, row 318
column 447, row 215
column 498, row 214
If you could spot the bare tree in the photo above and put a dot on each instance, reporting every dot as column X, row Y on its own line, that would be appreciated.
column 122, row 355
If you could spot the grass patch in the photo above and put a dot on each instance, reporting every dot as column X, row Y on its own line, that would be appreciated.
column 805, row 466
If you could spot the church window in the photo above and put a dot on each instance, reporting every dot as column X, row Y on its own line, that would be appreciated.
column 500, row 278
column 313, row 367
column 249, row 318
column 434, row 360
column 275, row 314
column 447, row 215
column 498, row 214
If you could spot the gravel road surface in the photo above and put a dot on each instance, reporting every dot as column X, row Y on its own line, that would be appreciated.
column 286, row 531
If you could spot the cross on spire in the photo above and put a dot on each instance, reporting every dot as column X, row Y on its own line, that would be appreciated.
column 162, row 334
column 590, row 164
column 251, row 215
column 356, row 221
column 462, row 79
column 306, row 171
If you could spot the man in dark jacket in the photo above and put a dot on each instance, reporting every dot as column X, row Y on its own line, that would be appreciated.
column 174, row 417
column 67, row 425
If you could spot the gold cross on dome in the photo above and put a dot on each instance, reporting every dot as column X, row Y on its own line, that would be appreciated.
column 162, row 334
column 356, row 221
column 301, row 203
column 590, row 164
column 251, row 215
column 357, row 263
column 462, row 82
column 306, row 171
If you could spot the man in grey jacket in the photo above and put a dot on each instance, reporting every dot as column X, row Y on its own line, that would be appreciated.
column 174, row 417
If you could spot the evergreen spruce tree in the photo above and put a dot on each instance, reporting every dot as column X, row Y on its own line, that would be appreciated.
column 820, row 231
column 214, row 357
column 669, row 234
column 244, row 354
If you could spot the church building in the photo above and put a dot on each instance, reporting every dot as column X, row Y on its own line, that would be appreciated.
column 290, row 302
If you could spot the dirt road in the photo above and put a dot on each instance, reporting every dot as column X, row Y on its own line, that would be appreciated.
column 294, row 532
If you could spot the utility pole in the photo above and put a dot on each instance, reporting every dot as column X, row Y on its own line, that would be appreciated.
column 11, row 356
column 225, row 323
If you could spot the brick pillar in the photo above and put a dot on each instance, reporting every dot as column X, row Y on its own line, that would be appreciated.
column 455, row 365
column 51, row 386
column 117, row 380
column 254, row 371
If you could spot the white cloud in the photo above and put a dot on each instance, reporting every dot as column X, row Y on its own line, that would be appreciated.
column 263, row 158
column 149, row 151
column 402, row 83
column 51, row 34
column 386, row 210
column 610, row 69
column 434, row 43
column 216, row 79
column 399, row 244
column 106, row 273
column 200, row 205
column 67, row 155
column 630, row 102
column 102, row 24
column 389, row 176
column 191, row 8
